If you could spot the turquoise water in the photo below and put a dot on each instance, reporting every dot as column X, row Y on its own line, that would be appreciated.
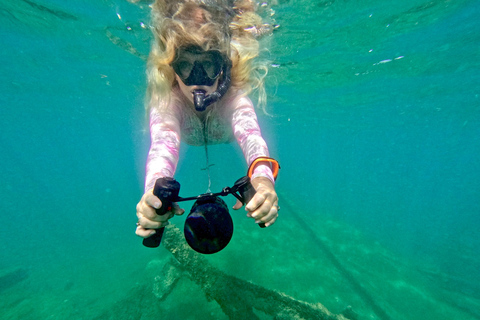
column 375, row 118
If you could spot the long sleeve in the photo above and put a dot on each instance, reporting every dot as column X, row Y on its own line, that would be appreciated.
column 248, row 135
column 164, row 149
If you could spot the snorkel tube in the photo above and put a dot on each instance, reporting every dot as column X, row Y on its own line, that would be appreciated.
column 202, row 101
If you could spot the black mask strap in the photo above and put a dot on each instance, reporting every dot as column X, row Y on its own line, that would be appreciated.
column 201, row 101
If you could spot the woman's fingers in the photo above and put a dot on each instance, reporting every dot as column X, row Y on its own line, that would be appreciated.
column 265, row 213
column 176, row 209
column 144, row 233
column 270, row 217
column 151, row 224
column 148, row 219
column 238, row 205
column 257, row 201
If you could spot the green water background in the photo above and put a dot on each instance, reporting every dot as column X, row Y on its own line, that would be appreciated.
column 375, row 120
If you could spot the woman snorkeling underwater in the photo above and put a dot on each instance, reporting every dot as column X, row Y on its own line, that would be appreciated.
column 200, row 70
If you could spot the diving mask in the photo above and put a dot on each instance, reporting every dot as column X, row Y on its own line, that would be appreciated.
column 197, row 67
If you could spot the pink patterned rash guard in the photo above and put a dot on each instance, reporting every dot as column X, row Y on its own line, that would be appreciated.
column 231, row 118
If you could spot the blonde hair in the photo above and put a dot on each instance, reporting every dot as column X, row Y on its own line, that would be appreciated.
column 211, row 25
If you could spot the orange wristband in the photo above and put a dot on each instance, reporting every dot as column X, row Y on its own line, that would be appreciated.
column 273, row 165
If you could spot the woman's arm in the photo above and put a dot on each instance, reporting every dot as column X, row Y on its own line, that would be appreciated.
column 164, row 148
column 249, row 137
column 264, row 205
column 161, row 162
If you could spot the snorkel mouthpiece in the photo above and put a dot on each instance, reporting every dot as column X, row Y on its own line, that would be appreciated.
column 199, row 100
column 202, row 102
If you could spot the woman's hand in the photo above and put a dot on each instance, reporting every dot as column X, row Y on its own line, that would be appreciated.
column 148, row 219
column 264, row 205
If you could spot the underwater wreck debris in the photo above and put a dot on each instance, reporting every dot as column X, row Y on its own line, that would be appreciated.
column 12, row 277
column 167, row 280
column 238, row 298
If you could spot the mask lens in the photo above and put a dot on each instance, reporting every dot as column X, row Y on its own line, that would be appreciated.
column 197, row 67
column 212, row 64
column 183, row 68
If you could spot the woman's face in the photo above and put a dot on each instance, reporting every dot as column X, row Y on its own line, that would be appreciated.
column 197, row 70
column 188, row 90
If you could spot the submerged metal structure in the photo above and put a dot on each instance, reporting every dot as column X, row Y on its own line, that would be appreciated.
column 238, row 299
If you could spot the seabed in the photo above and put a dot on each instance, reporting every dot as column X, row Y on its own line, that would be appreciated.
column 331, row 271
